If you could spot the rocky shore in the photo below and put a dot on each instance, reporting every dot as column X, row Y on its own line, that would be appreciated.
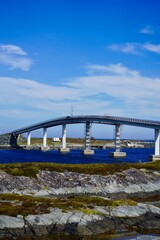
column 107, row 220
column 79, row 204
column 131, row 182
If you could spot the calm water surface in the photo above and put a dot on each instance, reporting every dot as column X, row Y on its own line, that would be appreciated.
column 75, row 156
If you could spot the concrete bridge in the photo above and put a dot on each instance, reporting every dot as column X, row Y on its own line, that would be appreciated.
column 88, row 120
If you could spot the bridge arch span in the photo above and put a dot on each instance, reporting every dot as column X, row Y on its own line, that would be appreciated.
column 95, row 119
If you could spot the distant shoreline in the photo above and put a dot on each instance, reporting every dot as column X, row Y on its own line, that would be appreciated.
column 77, row 143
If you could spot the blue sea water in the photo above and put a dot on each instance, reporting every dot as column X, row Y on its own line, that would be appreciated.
column 74, row 156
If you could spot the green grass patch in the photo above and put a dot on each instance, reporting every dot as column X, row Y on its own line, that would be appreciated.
column 14, row 204
column 123, row 202
column 31, row 169
column 69, row 140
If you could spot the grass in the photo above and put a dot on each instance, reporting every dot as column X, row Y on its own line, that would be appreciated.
column 31, row 169
column 69, row 140
column 153, row 198
column 14, row 204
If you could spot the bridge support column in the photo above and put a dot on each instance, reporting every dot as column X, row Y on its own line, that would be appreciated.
column 28, row 140
column 157, row 138
column 117, row 153
column 44, row 146
column 64, row 149
column 117, row 138
column 88, row 150
column 156, row 155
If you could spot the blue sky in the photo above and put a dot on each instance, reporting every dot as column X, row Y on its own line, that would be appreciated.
column 101, row 57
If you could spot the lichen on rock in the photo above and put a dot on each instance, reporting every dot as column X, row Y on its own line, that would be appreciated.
column 79, row 203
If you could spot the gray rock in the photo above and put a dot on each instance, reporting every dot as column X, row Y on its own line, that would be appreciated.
column 10, row 139
column 11, row 226
column 69, row 222
column 131, row 182
column 153, row 209
column 18, row 184
column 12, row 222
column 119, row 218
column 129, row 211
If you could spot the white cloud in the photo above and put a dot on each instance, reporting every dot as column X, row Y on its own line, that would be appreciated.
column 26, row 99
column 14, row 57
column 112, row 68
column 147, row 30
column 31, row 90
column 118, row 90
column 152, row 47
column 135, row 48
column 126, row 88
column 130, row 92
column 125, row 47
column 12, row 49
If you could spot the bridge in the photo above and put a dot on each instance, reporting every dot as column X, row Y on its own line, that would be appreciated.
column 88, row 120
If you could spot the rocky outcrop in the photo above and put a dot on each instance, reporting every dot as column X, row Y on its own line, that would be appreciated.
column 131, row 182
column 128, row 182
column 18, row 184
column 101, row 219
column 9, row 140
column 109, row 219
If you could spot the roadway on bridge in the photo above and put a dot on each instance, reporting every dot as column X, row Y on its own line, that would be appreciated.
column 98, row 119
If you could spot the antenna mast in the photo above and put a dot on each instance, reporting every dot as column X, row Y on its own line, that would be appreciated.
column 72, row 110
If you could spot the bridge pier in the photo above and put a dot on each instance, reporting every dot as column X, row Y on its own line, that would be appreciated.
column 28, row 139
column 117, row 138
column 117, row 153
column 64, row 149
column 88, row 150
column 156, row 155
column 44, row 146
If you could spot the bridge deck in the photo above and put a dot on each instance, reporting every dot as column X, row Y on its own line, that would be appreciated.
column 112, row 120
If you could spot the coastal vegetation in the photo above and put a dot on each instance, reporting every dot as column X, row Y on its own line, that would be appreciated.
column 14, row 204
column 31, row 169
column 82, row 199
column 80, row 142
column 50, row 141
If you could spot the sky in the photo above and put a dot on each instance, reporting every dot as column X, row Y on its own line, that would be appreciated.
column 98, row 57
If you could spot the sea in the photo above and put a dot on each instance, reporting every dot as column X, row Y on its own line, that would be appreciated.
column 133, row 155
